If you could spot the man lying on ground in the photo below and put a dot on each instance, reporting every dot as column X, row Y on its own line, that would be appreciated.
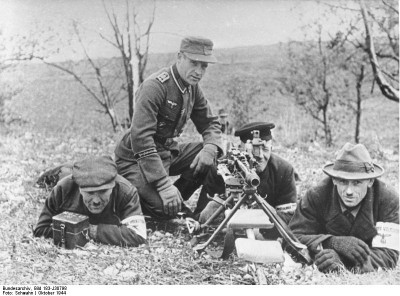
column 337, row 219
column 110, row 201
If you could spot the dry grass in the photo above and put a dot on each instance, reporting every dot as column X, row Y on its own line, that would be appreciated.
column 61, row 124
column 166, row 260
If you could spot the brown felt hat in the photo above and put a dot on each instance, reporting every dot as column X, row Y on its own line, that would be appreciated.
column 353, row 162
column 245, row 131
column 198, row 49
column 95, row 173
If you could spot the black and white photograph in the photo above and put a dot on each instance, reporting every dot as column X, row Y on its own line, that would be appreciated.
column 156, row 145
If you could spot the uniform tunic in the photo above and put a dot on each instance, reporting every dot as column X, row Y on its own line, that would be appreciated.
column 120, row 223
column 319, row 216
column 164, row 104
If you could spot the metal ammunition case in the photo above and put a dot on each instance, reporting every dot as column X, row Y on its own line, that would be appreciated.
column 70, row 230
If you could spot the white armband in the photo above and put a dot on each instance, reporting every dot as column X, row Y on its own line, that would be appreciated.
column 137, row 224
column 286, row 208
column 387, row 237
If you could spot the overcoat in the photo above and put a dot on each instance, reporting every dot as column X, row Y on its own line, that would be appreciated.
column 319, row 216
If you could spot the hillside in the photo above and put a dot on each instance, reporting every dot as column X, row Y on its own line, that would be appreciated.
column 53, row 121
column 62, row 104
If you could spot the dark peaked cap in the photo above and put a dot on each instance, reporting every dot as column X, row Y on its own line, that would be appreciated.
column 244, row 132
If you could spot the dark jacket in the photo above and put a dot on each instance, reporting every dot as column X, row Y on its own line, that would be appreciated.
column 123, row 205
column 277, row 186
column 278, row 182
column 163, row 106
column 319, row 216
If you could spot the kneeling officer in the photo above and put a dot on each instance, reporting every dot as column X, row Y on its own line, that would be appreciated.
column 110, row 201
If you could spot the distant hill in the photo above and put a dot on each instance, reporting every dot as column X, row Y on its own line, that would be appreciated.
column 51, row 100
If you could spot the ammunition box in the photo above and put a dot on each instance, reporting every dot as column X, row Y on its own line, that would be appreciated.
column 70, row 230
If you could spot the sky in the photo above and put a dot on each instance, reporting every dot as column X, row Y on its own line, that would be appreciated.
column 229, row 23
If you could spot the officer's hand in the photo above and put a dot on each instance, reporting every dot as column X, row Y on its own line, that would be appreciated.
column 328, row 260
column 350, row 247
column 170, row 195
column 204, row 159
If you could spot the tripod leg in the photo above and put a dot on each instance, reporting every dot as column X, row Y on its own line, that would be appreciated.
column 217, row 212
column 229, row 244
column 200, row 247
column 298, row 248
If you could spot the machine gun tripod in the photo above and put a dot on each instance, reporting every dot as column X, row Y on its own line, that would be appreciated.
column 241, row 184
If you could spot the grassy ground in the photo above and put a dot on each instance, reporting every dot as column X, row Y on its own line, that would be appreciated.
column 55, row 121
column 166, row 260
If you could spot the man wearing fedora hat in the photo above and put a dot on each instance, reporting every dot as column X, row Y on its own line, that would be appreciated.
column 337, row 218
column 111, row 202
column 277, row 177
column 149, row 153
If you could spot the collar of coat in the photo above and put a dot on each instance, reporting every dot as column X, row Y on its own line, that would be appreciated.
column 363, row 226
column 353, row 211
column 182, row 85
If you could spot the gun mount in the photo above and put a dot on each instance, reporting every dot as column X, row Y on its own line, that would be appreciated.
column 237, row 170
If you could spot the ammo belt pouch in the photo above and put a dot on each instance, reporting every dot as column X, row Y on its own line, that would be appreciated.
column 70, row 230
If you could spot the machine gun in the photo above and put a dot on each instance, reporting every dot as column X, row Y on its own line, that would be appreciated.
column 241, row 182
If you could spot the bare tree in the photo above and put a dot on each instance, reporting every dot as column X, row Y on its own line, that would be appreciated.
column 382, row 77
column 132, row 41
column 359, row 83
column 356, row 65
column 241, row 92
column 355, row 69
column 384, row 56
column 7, row 90
column 313, row 77
column 107, row 89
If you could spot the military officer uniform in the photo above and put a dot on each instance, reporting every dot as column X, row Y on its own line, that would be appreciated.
column 149, row 151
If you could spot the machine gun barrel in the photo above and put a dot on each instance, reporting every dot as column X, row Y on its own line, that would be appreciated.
column 251, row 178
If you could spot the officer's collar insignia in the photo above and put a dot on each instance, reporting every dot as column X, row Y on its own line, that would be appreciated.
column 178, row 79
column 173, row 104
column 164, row 76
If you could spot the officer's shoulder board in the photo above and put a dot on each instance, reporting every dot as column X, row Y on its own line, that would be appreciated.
column 162, row 77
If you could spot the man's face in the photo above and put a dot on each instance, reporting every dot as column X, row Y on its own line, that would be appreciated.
column 263, row 156
column 96, row 201
column 190, row 71
column 352, row 192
